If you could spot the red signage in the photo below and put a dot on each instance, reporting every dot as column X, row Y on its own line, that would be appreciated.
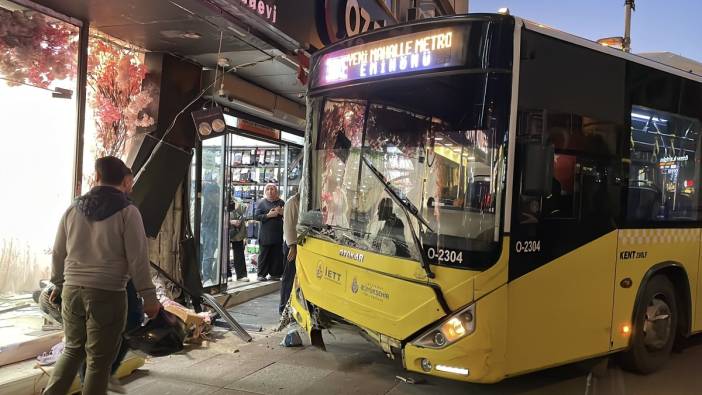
column 258, row 129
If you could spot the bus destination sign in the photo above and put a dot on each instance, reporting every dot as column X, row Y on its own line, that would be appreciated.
column 422, row 51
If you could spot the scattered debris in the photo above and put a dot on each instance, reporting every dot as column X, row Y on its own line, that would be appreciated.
column 409, row 380
column 292, row 339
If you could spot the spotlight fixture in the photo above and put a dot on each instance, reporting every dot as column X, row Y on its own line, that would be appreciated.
column 209, row 120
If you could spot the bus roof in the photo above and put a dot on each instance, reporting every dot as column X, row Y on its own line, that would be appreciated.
column 690, row 69
column 672, row 64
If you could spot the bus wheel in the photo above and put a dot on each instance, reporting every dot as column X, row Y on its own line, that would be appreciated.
column 654, row 327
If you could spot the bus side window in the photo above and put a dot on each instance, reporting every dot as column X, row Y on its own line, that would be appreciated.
column 665, row 166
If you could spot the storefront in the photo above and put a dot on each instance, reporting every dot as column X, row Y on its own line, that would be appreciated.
column 234, row 168
column 121, row 78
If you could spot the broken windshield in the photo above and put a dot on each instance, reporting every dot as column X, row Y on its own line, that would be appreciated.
column 439, row 143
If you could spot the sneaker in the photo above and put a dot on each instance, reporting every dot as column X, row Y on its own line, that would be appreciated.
column 115, row 386
column 261, row 278
column 243, row 279
column 274, row 278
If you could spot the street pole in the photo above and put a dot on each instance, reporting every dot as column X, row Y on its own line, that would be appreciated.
column 628, row 7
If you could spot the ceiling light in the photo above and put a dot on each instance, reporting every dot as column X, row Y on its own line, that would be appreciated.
column 190, row 35
column 223, row 62
column 209, row 120
column 237, row 31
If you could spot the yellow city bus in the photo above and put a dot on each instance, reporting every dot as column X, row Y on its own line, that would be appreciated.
column 485, row 196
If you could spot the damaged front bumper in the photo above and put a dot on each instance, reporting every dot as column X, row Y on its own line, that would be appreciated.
column 478, row 357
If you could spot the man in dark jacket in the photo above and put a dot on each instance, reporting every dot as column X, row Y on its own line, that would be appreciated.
column 100, row 244
column 269, row 211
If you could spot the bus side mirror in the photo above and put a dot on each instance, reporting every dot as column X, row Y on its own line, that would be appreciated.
column 538, row 170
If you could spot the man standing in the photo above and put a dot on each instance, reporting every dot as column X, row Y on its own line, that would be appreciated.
column 290, row 213
column 269, row 211
column 237, row 234
column 99, row 245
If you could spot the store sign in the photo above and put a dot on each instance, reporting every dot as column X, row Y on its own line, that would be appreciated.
column 318, row 23
column 427, row 50
column 666, row 159
column 258, row 129
column 266, row 9
column 357, row 19
column 348, row 18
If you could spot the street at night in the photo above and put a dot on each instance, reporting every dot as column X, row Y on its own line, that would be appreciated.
column 350, row 197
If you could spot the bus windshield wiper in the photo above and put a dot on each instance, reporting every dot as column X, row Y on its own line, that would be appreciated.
column 409, row 209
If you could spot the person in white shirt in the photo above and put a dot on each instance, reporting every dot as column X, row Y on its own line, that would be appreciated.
column 290, row 215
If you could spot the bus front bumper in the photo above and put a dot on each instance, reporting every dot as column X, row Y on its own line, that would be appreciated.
column 478, row 357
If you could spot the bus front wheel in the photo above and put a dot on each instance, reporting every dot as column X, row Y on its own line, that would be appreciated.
column 655, row 320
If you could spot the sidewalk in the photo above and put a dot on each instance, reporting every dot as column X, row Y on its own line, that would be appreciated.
column 228, row 366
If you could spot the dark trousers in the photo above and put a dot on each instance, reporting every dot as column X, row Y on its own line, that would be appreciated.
column 287, row 280
column 135, row 316
column 270, row 260
column 239, row 262
column 93, row 323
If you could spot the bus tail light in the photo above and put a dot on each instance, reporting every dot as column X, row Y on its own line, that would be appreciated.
column 450, row 330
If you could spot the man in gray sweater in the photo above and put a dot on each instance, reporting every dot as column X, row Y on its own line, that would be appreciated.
column 100, row 245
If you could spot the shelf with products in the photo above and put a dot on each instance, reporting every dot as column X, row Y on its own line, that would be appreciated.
column 255, row 167
column 255, row 175
column 256, row 157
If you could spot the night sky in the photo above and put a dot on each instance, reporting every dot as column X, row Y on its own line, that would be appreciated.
column 657, row 25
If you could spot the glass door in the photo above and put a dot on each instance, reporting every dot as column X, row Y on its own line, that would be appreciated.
column 211, row 210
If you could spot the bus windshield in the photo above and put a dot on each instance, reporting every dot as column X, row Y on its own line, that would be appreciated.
column 440, row 144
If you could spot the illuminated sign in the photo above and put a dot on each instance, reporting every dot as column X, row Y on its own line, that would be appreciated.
column 413, row 52
column 665, row 159
column 263, row 8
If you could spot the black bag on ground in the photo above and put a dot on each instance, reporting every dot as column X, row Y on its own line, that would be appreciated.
column 161, row 336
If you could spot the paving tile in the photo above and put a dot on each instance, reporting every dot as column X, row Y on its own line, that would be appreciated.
column 137, row 379
column 216, row 371
column 165, row 386
column 352, row 383
column 281, row 378
column 182, row 360
column 227, row 391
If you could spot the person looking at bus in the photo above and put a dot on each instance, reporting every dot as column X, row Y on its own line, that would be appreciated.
column 99, row 246
column 290, row 215
column 237, row 235
column 269, row 211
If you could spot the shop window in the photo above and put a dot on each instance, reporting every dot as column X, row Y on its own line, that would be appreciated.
column 251, row 163
column 118, row 111
column 665, row 171
column 38, row 84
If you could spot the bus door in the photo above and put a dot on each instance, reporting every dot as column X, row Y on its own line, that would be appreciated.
column 562, row 246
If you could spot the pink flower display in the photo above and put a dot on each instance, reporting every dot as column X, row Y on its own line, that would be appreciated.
column 37, row 50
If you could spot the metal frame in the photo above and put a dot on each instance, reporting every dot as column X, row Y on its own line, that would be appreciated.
column 512, row 138
column 81, row 108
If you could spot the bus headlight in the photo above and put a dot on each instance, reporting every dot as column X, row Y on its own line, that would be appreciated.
column 450, row 330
